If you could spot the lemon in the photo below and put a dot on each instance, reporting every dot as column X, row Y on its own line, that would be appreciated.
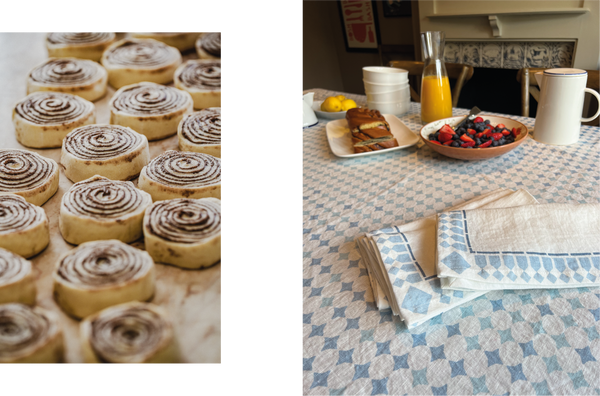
column 341, row 98
column 348, row 104
column 332, row 104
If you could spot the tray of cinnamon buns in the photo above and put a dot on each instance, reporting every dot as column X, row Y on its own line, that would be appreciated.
column 110, row 187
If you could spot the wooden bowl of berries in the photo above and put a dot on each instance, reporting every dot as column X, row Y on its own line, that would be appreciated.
column 481, row 138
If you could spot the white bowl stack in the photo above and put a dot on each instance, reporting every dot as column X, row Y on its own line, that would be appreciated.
column 387, row 89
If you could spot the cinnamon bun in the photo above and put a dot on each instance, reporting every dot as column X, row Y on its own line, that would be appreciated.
column 151, row 109
column 16, row 279
column 99, row 208
column 84, row 78
column 78, row 45
column 181, row 41
column 24, row 228
column 112, row 151
column 208, row 46
column 130, row 61
column 129, row 333
column 180, row 174
column 184, row 232
column 29, row 335
column 28, row 174
column 202, row 79
column 43, row 119
column 201, row 132
column 100, row 274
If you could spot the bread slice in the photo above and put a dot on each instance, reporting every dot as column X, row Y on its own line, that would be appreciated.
column 374, row 144
column 372, row 133
column 363, row 118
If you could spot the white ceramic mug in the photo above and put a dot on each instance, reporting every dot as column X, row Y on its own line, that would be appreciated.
column 558, row 119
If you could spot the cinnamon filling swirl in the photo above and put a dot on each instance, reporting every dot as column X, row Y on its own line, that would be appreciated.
column 150, row 99
column 185, row 220
column 101, row 142
column 102, row 198
column 141, row 53
column 103, row 263
column 179, row 168
column 23, row 170
column 16, row 214
column 66, row 72
column 79, row 38
column 48, row 108
column 211, row 43
column 203, row 127
column 201, row 74
column 22, row 328
column 12, row 267
column 128, row 334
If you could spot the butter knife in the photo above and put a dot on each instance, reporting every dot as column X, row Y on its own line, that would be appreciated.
column 474, row 111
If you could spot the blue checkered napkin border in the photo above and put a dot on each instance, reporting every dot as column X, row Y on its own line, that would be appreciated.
column 534, row 269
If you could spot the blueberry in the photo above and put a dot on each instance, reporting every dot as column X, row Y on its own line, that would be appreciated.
column 455, row 144
column 437, row 134
column 479, row 128
column 431, row 136
column 487, row 122
column 495, row 143
column 455, row 137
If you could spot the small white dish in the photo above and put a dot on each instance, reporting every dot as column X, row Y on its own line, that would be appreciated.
column 325, row 114
column 340, row 138
column 396, row 108
column 400, row 95
column 384, row 74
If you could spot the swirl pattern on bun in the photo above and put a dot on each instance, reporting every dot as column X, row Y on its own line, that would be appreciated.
column 129, row 333
column 140, row 53
column 200, row 74
column 203, row 127
column 101, row 209
column 112, row 151
column 184, row 220
column 103, row 198
column 184, row 232
column 209, row 45
column 47, row 108
column 28, row 174
column 79, row 38
column 29, row 335
column 151, row 109
column 66, row 71
column 99, row 274
column 179, row 168
column 99, row 142
column 148, row 99
column 103, row 263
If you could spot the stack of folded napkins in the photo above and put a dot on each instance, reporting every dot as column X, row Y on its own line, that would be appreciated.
column 500, row 240
column 401, row 261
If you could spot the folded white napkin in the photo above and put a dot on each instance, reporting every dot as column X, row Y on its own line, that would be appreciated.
column 401, row 262
column 529, row 247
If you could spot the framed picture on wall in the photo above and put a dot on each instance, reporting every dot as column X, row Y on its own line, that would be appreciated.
column 396, row 8
column 359, row 21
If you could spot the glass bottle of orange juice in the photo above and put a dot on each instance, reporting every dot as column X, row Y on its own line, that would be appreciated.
column 436, row 99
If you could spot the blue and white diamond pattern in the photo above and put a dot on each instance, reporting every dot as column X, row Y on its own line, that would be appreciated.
column 375, row 353
column 533, row 268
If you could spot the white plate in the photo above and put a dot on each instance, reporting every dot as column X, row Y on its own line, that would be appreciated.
column 327, row 115
column 340, row 138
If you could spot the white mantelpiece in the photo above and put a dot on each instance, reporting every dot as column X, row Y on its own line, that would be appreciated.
column 544, row 31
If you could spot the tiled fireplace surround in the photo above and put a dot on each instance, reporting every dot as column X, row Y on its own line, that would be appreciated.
column 510, row 54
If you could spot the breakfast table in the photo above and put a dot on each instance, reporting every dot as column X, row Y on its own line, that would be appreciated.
column 537, row 342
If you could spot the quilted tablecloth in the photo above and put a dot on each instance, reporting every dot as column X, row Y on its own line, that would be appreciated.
column 534, row 342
